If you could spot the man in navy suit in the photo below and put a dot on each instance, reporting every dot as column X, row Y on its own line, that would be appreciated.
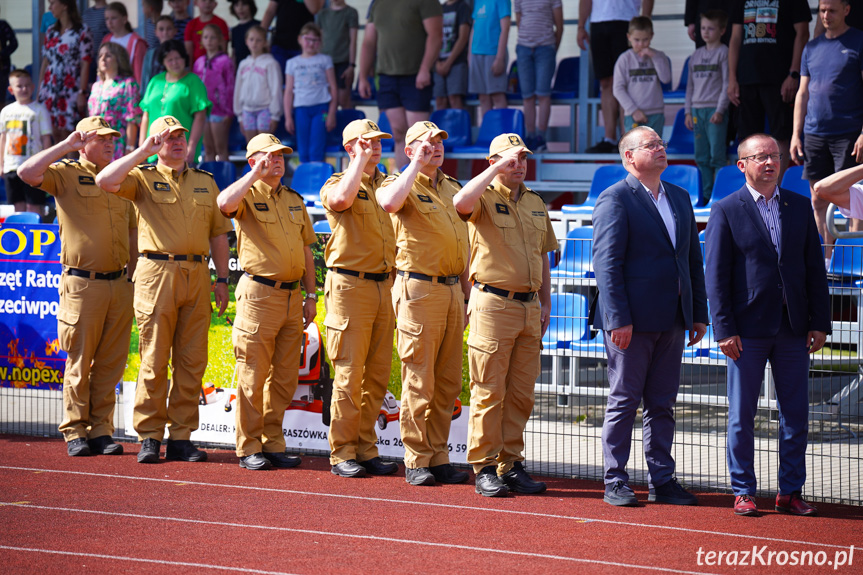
column 648, row 267
column 769, row 301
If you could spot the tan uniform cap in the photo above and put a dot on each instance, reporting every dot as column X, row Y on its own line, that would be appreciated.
column 504, row 142
column 420, row 129
column 365, row 128
column 99, row 124
column 166, row 123
column 266, row 143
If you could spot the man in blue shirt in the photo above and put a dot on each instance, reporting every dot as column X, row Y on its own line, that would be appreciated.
column 828, row 111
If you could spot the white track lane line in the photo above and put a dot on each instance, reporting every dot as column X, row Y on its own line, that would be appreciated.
column 525, row 554
column 434, row 504
column 142, row 560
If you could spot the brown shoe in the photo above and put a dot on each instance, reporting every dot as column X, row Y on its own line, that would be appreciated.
column 794, row 505
column 743, row 505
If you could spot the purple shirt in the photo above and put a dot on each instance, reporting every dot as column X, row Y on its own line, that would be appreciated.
column 218, row 77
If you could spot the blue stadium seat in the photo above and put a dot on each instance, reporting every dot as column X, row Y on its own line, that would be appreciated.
column 847, row 260
column 729, row 179
column 3, row 191
column 309, row 178
column 388, row 144
column 566, row 79
column 576, row 261
column 605, row 176
column 494, row 123
column 687, row 177
column 568, row 321
column 236, row 140
column 334, row 138
column 456, row 123
column 680, row 91
column 224, row 172
column 322, row 227
column 793, row 180
column 682, row 140
column 23, row 218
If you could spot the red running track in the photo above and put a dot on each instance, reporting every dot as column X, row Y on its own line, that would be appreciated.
column 109, row 514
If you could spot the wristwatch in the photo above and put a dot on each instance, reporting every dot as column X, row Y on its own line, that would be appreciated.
column 795, row 75
column 221, row 280
column 312, row 296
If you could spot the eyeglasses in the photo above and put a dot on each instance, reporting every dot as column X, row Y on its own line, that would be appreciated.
column 762, row 158
column 652, row 146
column 311, row 39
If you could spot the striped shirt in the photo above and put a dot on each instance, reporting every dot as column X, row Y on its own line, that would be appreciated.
column 94, row 18
column 769, row 210
column 536, row 22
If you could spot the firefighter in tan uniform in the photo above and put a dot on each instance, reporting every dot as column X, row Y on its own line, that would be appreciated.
column 429, row 296
column 274, row 233
column 360, row 255
column 510, row 235
column 94, row 321
column 178, row 224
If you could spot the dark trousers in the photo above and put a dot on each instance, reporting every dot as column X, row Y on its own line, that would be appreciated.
column 789, row 360
column 648, row 370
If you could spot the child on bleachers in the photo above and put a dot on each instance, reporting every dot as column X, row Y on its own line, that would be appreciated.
column 151, row 10
column 638, row 75
column 339, row 24
column 216, row 70
column 120, row 32
column 180, row 14
column 25, row 130
column 489, row 56
column 310, row 91
column 258, row 92
column 707, row 99
column 450, row 71
column 164, row 31
column 244, row 11
column 193, row 34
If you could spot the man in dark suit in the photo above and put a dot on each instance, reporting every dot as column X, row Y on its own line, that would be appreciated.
column 769, row 301
column 648, row 269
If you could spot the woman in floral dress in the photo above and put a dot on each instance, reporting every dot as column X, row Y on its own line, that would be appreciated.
column 65, row 73
column 115, row 96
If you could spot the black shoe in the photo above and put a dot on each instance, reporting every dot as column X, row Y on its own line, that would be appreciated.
column 419, row 476
column 602, row 147
column 519, row 481
column 446, row 473
column 377, row 466
column 149, row 451
column 349, row 468
column 283, row 460
column 672, row 493
column 255, row 462
column 104, row 445
column 183, row 450
column 78, row 448
column 488, row 484
column 620, row 494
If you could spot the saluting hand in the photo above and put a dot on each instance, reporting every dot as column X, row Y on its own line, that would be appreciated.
column 264, row 167
column 508, row 159
column 424, row 153
column 154, row 143
column 78, row 139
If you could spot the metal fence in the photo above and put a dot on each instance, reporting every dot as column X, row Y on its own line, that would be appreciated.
column 563, row 437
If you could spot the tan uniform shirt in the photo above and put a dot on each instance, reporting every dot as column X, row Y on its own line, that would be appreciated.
column 363, row 239
column 94, row 225
column 272, row 228
column 508, row 239
column 431, row 238
column 177, row 210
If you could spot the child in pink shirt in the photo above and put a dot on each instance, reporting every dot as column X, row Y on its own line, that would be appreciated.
column 216, row 70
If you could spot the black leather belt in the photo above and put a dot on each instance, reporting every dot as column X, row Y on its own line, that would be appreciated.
column 95, row 275
column 273, row 283
column 361, row 275
column 172, row 257
column 448, row 280
column 516, row 295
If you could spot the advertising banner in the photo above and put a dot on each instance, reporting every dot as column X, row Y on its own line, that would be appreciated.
column 30, row 355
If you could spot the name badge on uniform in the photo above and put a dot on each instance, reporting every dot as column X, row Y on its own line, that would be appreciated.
column 501, row 208
column 262, row 207
column 86, row 180
column 161, row 187
column 425, row 199
column 363, row 195
column 201, row 191
column 538, row 214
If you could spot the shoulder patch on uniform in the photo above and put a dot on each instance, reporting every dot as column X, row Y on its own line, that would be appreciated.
column 86, row 181
column 501, row 208
column 68, row 162
column 147, row 166
column 293, row 190
column 447, row 176
column 391, row 178
column 161, row 187
column 363, row 195
column 262, row 207
column 424, row 198
column 526, row 189
column 202, row 171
